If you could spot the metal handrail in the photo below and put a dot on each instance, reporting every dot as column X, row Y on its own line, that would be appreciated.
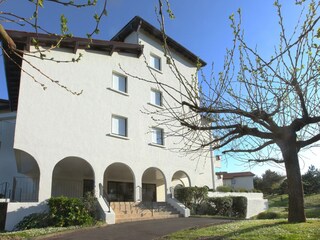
column 104, row 196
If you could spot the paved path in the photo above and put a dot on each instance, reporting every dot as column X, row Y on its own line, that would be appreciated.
column 143, row 230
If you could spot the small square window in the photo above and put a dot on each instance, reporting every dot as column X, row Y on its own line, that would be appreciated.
column 119, row 82
column 156, row 97
column 155, row 62
column 119, row 126
column 157, row 136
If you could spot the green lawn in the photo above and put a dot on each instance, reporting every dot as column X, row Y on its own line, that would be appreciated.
column 31, row 233
column 279, row 204
column 253, row 229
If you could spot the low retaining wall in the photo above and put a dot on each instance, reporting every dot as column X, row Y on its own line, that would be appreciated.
column 256, row 203
column 16, row 211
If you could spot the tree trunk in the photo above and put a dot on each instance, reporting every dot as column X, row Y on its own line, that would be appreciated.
column 295, row 187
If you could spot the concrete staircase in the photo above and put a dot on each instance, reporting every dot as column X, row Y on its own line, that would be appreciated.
column 139, row 211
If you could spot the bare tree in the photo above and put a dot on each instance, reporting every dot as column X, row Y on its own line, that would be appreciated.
column 258, row 109
column 32, row 20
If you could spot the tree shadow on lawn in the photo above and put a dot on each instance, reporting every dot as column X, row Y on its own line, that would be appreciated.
column 279, row 202
column 242, row 231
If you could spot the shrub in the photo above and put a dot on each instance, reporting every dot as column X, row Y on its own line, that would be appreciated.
column 66, row 212
column 185, row 195
column 239, row 207
column 34, row 220
column 192, row 196
column 268, row 215
column 90, row 204
column 224, row 189
column 228, row 206
column 204, row 208
column 222, row 205
column 63, row 212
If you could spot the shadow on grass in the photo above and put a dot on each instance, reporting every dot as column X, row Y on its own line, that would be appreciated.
column 279, row 201
column 312, row 212
column 242, row 231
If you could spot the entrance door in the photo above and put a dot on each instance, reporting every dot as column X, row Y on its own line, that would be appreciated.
column 120, row 191
column 149, row 192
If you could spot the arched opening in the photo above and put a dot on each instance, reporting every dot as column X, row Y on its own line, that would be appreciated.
column 25, row 185
column 72, row 177
column 153, row 186
column 179, row 180
column 119, row 183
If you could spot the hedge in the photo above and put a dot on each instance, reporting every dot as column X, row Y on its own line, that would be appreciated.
column 196, row 199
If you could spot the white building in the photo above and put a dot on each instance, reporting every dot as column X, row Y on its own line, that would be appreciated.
column 236, row 180
column 55, row 142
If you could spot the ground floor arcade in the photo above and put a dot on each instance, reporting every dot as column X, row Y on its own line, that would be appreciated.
column 74, row 177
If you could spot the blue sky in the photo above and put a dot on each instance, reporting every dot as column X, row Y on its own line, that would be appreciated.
column 201, row 26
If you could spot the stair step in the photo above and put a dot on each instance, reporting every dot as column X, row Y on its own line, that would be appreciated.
column 139, row 211
column 135, row 219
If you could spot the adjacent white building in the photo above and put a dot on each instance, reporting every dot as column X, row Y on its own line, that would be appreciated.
column 56, row 141
column 236, row 180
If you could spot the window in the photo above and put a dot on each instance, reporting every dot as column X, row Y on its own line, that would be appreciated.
column 157, row 136
column 233, row 181
column 119, row 82
column 155, row 62
column 119, row 126
column 156, row 97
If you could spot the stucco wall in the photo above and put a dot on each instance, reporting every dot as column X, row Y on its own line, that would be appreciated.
column 17, row 211
column 53, row 124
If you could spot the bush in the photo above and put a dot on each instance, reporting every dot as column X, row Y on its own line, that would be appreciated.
column 239, row 207
column 63, row 212
column 191, row 197
column 222, row 205
column 185, row 195
column 224, row 189
column 228, row 206
column 268, row 215
column 66, row 212
column 34, row 220
column 90, row 204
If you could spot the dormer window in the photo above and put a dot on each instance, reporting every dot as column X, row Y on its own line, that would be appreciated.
column 155, row 62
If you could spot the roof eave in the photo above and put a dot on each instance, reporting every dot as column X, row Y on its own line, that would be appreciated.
column 139, row 23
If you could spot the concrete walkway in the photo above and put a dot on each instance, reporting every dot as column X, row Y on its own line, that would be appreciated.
column 143, row 230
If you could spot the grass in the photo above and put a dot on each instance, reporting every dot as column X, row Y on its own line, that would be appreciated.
column 311, row 200
column 253, row 229
column 279, row 204
column 36, row 232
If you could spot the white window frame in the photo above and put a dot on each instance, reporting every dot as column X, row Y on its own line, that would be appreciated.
column 153, row 64
column 155, row 136
column 116, row 128
column 154, row 94
column 117, row 85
